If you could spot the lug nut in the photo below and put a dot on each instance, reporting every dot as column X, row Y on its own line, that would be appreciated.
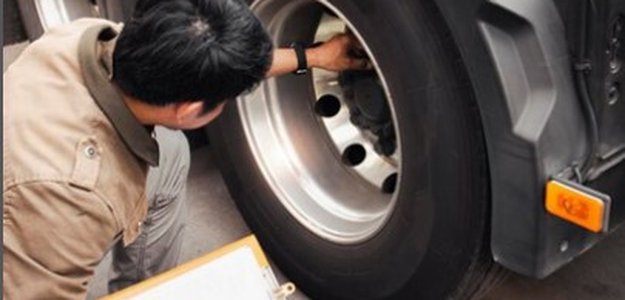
column 384, row 147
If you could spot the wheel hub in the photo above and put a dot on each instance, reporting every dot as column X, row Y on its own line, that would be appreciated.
column 368, row 108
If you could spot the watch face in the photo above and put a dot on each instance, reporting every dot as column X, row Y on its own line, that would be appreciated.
column 301, row 71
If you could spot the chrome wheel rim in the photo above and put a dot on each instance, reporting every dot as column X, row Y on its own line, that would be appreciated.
column 57, row 12
column 322, row 168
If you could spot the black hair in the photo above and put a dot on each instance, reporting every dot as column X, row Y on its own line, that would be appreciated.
column 185, row 50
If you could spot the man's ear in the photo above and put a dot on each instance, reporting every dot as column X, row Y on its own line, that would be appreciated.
column 188, row 110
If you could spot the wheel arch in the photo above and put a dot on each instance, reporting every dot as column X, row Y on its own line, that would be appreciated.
column 519, row 65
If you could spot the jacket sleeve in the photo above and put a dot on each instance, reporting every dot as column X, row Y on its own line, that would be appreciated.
column 54, row 236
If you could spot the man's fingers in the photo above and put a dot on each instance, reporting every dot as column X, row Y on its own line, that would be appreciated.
column 355, row 49
column 361, row 64
column 355, row 43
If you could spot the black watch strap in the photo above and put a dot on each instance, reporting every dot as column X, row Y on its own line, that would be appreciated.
column 302, row 64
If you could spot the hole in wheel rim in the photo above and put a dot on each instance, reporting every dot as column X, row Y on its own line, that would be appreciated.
column 327, row 106
column 390, row 184
column 354, row 155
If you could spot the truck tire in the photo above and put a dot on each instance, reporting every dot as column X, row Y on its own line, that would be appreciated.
column 39, row 15
column 337, row 220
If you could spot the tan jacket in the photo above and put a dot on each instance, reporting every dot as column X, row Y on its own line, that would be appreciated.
column 74, row 179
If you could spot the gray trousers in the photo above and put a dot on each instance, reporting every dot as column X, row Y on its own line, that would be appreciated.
column 158, row 246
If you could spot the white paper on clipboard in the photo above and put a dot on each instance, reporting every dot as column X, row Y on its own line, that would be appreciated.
column 237, row 271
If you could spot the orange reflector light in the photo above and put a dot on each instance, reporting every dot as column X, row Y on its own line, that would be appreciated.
column 578, row 204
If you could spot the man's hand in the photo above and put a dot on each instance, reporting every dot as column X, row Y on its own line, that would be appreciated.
column 341, row 52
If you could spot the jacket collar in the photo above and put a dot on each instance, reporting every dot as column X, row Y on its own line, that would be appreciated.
column 95, row 60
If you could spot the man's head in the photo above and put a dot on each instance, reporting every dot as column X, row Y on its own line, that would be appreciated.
column 174, row 52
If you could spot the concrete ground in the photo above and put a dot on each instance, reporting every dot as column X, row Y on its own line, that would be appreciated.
column 214, row 221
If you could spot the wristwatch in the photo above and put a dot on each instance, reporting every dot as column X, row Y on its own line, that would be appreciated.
column 302, row 63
